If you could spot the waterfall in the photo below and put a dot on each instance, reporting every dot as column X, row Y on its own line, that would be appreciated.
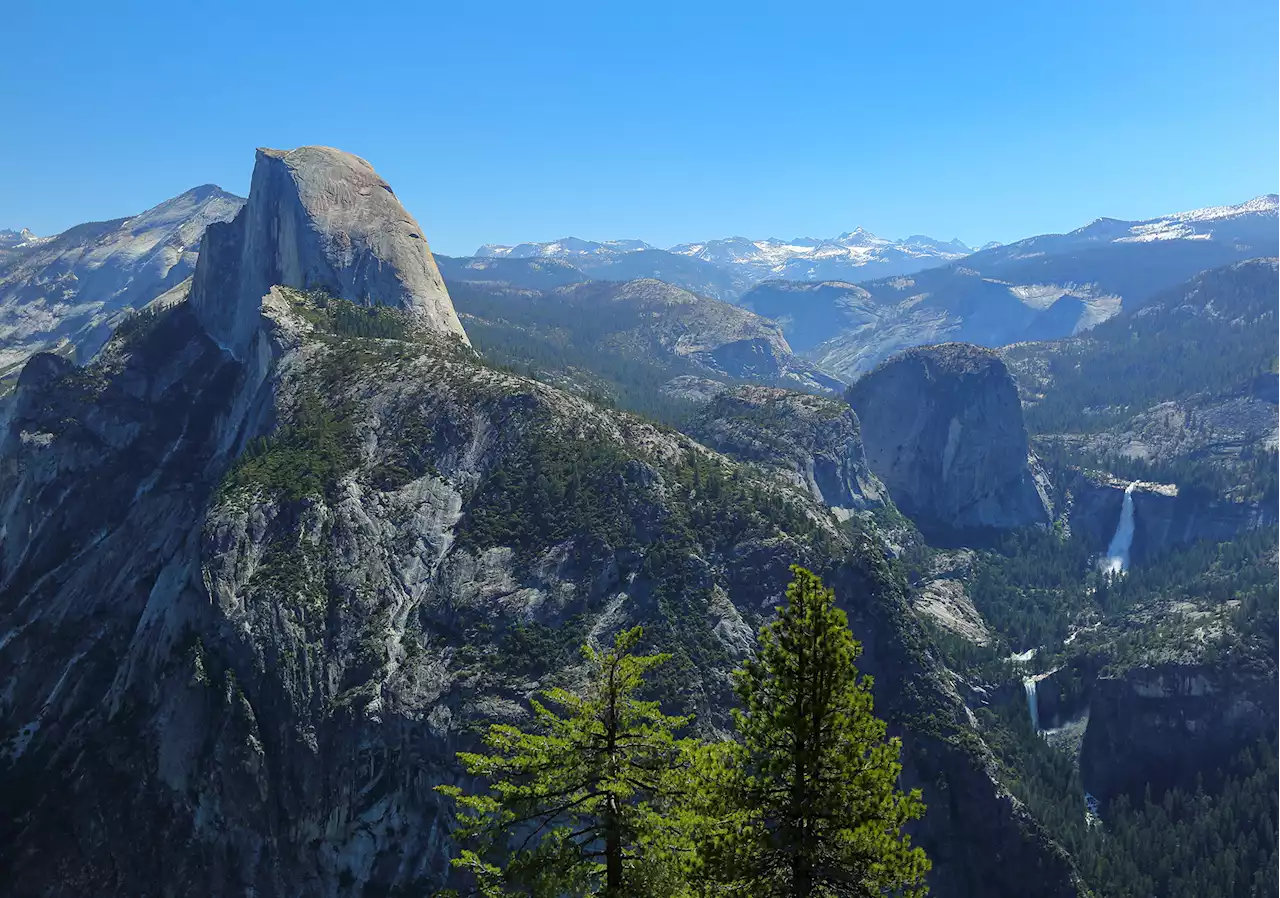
column 1029, row 684
column 1117, row 559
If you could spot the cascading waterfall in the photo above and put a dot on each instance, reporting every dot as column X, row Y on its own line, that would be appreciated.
column 1117, row 559
column 1029, row 684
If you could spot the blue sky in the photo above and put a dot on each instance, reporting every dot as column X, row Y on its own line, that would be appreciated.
column 500, row 122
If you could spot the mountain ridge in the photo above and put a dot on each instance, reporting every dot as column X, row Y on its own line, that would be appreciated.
column 302, row 573
column 68, row 290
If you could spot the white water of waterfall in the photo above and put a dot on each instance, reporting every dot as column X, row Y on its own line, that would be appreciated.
column 1117, row 559
column 1029, row 684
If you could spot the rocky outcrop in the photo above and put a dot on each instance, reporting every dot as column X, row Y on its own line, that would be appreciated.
column 943, row 430
column 67, row 292
column 317, row 218
column 947, row 603
column 251, row 606
column 260, row 689
column 814, row 440
column 1164, row 517
column 1160, row 724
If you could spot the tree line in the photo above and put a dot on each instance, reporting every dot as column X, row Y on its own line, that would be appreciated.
column 601, row 795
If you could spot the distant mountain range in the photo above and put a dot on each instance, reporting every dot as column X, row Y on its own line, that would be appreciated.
column 10, row 239
column 845, row 302
column 1041, row 288
column 856, row 254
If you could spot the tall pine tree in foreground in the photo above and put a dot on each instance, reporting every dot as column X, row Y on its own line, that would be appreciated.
column 806, row 802
column 582, row 805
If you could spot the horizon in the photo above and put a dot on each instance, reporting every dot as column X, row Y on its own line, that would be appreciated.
column 973, row 247
column 511, row 126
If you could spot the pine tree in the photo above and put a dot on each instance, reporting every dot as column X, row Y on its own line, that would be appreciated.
column 581, row 806
column 806, row 801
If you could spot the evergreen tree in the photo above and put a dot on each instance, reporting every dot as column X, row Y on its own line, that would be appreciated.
column 582, row 806
column 806, row 802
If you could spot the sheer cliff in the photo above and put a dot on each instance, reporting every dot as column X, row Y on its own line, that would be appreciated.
column 268, row 563
column 943, row 429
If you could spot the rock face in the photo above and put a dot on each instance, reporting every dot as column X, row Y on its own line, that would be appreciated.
column 814, row 440
column 1164, row 517
column 317, row 218
column 1159, row 724
column 231, row 671
column 69, row 291
column 943, row 429
column 243, row 688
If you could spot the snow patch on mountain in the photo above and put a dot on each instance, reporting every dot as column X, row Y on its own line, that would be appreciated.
column 856, row 254
column 564, row 248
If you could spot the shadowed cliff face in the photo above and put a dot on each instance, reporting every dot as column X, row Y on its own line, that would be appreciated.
column 1164, row 517
column 1161, row 724
column 943, row 429
column 251, row 606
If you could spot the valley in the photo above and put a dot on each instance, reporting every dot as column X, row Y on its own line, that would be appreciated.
column 292, row 508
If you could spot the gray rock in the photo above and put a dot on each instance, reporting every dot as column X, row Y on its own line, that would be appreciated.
column 943, row 429
column 1164, row 517
column 1160, row 723
column 67, row 292
column 213, row 683
column 317, row 218
column 814, row 440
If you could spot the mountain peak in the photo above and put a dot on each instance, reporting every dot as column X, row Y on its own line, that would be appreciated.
column 10, row 238
column 316, row 217
column 561, row 248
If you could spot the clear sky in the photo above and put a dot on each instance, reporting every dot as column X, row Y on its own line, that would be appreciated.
column 502, row 122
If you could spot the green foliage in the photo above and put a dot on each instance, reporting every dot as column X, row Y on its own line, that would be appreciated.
column 1217, row 839
column 582, row 805
column 614, row 353
column 603, row 799
column 610, row 379
column 305, row 456
column 1213, row 336
column 315, row 443
column 138, row 325
column 1251, row 477
column 548, row 488
column 344, row 318
column 807, row 804
column 1031, row 586
column 1042, row 776
column 533, row 648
